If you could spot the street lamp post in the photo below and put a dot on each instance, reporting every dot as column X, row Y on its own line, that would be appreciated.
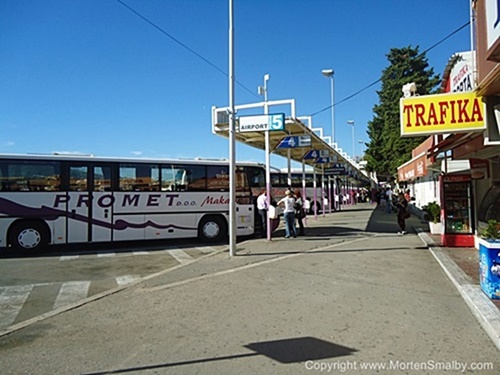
column 351, row 122
column 362, row 143
column 329, row 74
column 263, row 91
column 232, row 139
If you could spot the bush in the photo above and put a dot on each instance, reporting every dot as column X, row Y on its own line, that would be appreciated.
column 433, row 211
column 492, row 230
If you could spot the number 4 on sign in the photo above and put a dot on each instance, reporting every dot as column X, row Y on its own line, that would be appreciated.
column 312, row 154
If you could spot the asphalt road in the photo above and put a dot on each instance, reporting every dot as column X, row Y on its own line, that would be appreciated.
column 59, row 277
column 350, row 297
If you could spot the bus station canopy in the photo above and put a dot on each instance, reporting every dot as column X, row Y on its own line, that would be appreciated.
column 293, row 127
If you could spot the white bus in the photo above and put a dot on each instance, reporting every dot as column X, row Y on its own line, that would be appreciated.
column 279, row 183
column 56, row 199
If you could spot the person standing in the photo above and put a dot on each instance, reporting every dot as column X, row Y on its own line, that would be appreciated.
column 402, row 206
column 288, row 202
column 262, row 209
column 388, row 197
column 299, row 211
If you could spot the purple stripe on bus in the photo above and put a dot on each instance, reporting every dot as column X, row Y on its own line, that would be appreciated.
column 10, row 208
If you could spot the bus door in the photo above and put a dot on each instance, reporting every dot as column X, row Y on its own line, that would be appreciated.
column 90, row 203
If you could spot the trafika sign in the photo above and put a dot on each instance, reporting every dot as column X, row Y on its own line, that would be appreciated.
column 443, row 113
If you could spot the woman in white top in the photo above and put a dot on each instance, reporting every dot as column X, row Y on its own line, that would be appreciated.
column 262, row 208
column 289, row 213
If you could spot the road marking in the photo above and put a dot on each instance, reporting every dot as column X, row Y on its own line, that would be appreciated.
column 69, row 257
column 103, row 255
column 206, row 249
column 127, row 279
column 141, row 253
column 70, row 292
column 180, row 256
column 12, row 300
column 244, row 267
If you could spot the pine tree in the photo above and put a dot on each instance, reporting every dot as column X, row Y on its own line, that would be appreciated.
column 387, row 150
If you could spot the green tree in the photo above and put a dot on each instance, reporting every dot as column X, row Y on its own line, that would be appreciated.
column 386, row 149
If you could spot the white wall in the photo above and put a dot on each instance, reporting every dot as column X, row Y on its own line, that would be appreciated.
column 426, row 190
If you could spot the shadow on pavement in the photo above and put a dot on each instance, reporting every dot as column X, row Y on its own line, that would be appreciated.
column 286, row 351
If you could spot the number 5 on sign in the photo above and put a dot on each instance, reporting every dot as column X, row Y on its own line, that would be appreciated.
column 277, row 122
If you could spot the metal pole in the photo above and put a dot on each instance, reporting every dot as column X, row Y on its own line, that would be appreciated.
column 232, row 142
column 315, row 195
column 304, row 196
column 330, row 196
column 333, row 113
column 323, row 209
column 353, row 146
column 351, row 122
column 268, row 163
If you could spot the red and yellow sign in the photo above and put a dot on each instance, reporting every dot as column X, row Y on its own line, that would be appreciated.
column 443, row 113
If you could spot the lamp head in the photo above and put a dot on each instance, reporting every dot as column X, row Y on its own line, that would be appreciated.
column 327, row 72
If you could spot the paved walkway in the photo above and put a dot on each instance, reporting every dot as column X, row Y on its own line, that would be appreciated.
column 350, row 297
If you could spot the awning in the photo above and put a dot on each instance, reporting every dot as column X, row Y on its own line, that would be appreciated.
column 447, row 144
column 416, row 167
column 294, row 127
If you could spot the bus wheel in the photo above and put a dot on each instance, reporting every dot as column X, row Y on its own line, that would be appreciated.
column 212, row 229
column 29, row 236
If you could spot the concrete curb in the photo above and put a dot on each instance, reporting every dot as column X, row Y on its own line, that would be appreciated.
column 487, row 314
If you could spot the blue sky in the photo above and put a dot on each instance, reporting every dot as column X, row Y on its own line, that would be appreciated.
column 89, row 76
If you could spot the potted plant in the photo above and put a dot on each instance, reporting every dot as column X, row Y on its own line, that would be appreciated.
column 433, row 213
column 489, row 259
column 491, row 233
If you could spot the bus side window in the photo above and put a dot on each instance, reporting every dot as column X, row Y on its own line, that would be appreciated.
column 194, row 178
column 4, row 180
column 30, row 176
column 102, row 178
column 78, row 178
column 218, row 178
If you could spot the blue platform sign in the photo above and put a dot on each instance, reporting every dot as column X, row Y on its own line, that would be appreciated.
column 324, row 160
column 295, row 141
column 314, row 154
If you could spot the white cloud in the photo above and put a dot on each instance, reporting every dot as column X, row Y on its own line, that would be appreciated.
column 136, row 153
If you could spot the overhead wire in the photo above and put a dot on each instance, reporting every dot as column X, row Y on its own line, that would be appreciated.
column 380, row 79
column 164, row 32
column 250, row 91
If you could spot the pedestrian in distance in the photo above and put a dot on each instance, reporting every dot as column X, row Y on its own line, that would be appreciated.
column 388, row 198
column 262, row 208
column 407, row 195
column 300, row 212
column 288, row 202
column 402, row 207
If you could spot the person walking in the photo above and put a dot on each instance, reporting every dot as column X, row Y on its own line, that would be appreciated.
column 402, row 206
column 407, row 195
column 262, row 209
column 299, row 211
column 288, row 202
